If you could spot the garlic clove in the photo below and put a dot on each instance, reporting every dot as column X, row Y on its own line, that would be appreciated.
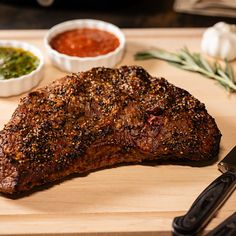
column 226, row 50
column 220, row 41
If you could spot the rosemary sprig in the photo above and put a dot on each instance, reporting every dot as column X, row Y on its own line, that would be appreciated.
column 186, row 60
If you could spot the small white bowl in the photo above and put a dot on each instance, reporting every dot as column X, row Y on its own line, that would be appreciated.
column 24, row 83
column 76, row 64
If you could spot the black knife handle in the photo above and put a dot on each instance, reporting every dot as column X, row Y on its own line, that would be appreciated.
column 226, row 228
column 204, row 207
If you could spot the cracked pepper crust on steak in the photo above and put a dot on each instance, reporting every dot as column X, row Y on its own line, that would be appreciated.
column 99, row 118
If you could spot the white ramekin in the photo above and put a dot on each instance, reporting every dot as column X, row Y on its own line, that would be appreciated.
column 24, row 83
column 76, row 64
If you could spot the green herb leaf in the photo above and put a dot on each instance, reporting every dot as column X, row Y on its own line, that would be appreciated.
column 186, row 60
column 160, row 54
column 205, row 64
column 228, row 70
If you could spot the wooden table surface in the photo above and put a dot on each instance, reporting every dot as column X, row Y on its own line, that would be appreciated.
column 127, row 200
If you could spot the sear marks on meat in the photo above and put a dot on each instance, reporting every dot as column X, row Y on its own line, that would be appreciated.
column 100, row 118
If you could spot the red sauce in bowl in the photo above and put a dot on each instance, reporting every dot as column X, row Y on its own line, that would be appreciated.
column 85, row 42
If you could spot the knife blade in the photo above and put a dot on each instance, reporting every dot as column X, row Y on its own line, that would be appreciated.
column 210, row 200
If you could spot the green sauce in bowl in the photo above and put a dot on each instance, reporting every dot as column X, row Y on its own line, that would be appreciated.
column 15, row 62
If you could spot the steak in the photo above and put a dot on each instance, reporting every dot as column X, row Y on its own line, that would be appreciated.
column 100, row 118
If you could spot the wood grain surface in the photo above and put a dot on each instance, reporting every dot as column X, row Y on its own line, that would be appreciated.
column 125, row 200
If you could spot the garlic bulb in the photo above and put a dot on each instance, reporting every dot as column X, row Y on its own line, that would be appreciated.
column 220, row 41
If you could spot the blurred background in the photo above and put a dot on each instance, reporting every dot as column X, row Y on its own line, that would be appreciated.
column 43, row 14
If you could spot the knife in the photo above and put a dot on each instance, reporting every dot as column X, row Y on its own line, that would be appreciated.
column 210, row 200
column 226, row 228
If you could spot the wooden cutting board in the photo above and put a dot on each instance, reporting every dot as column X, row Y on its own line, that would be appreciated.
column 127, row 200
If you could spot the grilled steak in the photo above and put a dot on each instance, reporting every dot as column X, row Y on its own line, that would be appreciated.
column 99, row 118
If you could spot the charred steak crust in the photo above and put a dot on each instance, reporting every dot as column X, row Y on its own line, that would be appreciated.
column 99, row 118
